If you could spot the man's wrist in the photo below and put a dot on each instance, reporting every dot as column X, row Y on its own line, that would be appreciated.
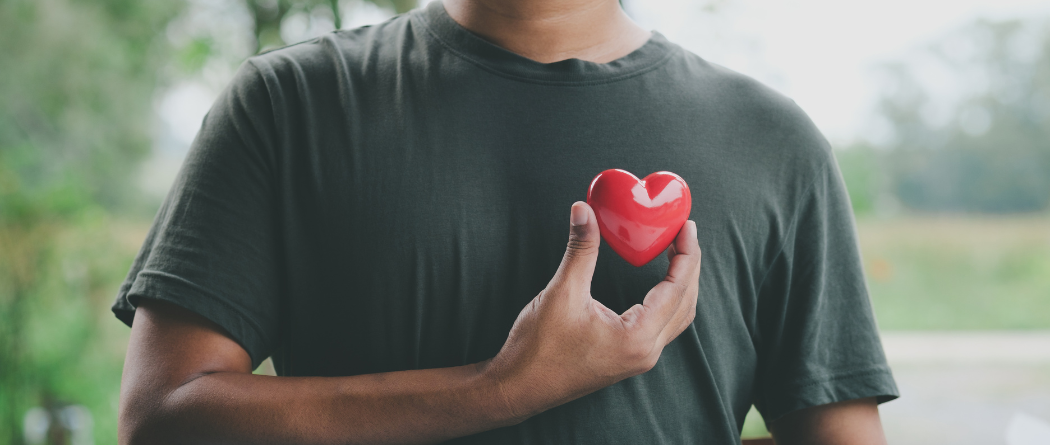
column 504, row 406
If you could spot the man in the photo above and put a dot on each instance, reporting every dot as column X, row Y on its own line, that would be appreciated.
column 381, row 210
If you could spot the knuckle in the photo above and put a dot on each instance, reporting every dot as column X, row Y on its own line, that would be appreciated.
column 653, row 360
column 649, row 363
column 681, row 290
column 578, row 246
column 638, row 352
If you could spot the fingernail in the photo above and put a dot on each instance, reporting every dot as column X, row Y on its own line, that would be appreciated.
column 694, row 227
column 578, row 215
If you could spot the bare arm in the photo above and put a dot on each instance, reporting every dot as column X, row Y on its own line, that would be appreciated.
column 185, row 381
column 852, row 422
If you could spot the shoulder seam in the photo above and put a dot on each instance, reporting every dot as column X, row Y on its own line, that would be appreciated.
column 790, row 230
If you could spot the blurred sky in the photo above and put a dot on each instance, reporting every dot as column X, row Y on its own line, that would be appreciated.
column 821, row 53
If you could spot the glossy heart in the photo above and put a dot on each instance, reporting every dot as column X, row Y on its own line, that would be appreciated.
column 639, row 218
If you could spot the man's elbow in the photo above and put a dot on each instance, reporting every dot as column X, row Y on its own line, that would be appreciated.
column 138, row 426
column 144, row 419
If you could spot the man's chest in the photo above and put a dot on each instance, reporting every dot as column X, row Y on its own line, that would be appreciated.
column 427, row 231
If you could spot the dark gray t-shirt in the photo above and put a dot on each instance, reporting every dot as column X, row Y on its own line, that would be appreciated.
column 390, row 197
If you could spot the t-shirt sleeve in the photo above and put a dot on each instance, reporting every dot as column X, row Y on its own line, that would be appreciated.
column 817, row 338
column 213, row 247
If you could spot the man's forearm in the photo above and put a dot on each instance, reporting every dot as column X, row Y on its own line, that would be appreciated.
column 187, row 381
column 419, row 406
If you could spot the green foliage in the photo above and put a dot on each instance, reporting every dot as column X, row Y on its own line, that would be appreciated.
column 754, row 425
column 864, row 173
column 947, row 273
column 59, row 339
column 76, row 82
column 73, row 78
column 268, row 15
column 77, row 85
column 192, row 56
column 991, row 153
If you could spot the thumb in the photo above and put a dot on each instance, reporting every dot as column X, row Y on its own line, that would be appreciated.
column 577, row 266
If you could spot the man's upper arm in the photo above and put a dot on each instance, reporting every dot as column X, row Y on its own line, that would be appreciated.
column 853, row 422
column 169, row 347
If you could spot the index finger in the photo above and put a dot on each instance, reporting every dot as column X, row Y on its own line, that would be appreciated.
column 686, row 259
column 663, row 301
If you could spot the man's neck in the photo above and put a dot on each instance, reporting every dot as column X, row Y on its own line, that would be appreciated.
column 552, row 30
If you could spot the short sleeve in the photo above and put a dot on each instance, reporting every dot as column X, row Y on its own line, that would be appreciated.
column 817, row 340
column 213, row 247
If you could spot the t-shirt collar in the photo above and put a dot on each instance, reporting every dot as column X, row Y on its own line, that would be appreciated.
column 570, row 71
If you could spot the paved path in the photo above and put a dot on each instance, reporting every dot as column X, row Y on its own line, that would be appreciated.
column 964, row 388
column 964, row 347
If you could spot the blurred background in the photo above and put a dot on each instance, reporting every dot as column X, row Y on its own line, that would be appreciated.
column 939, row 111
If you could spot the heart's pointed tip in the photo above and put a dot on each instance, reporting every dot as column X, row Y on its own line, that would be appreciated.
column 639, row 262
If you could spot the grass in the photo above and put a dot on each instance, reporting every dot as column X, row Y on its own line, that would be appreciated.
column 958, row 273
column 754, row 426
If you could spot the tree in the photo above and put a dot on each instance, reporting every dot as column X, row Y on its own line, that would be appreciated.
column 986, row 149
column 76, row 81
column 269, row 14
column 77, row 85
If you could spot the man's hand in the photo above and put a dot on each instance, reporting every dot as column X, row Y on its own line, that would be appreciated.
column 565, row 344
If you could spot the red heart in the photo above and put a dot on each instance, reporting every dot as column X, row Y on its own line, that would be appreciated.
column 639, row 218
